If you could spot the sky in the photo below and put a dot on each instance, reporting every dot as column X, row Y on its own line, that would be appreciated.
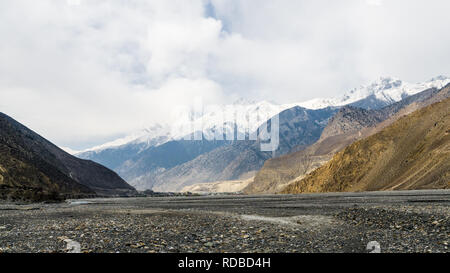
column 83, row 72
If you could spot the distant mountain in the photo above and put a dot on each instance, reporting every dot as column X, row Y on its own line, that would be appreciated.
column 125, row 155
column 348, row 125
column 228, row 162
column 141, row 169
column 241, row 159
column 33, row 168
column 411, row 153
column 210, row 119
column 115, row 153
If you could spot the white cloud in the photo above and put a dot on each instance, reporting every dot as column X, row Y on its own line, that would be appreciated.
column 82, row 72
column 374, row 2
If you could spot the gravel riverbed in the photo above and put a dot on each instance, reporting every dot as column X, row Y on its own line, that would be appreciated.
column 416, row 221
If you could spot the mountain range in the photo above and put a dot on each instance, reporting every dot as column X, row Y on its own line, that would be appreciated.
column 385, row 135
column 145, row 159
column 348, row 125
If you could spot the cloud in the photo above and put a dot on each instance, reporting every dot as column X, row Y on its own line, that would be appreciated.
column 83, row 72
column 374, row 2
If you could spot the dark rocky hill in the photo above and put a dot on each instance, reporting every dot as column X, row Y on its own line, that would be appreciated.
column 33, row 168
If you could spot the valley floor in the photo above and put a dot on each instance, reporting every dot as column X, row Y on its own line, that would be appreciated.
column 413, row 221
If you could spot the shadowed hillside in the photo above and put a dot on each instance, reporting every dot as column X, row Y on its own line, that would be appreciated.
column 32, row 168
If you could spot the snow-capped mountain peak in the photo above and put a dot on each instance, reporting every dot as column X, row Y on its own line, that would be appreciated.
column 387, row 89
column 153, row 135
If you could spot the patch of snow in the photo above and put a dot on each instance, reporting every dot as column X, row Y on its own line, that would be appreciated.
column 152, row 136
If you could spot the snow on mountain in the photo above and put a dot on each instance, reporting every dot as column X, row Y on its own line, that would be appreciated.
column 386, row 89
column 211, row 119
column 243, row 116
column 154, row 135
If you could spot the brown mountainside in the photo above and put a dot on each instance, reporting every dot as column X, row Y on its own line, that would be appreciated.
column 412, row 153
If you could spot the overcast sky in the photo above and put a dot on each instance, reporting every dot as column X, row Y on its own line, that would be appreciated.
column 81, row 72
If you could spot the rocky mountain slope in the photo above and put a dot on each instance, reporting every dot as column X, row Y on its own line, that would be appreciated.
column 33, row 168
column 411, row 153
column 142, row 169
column 348, row 125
